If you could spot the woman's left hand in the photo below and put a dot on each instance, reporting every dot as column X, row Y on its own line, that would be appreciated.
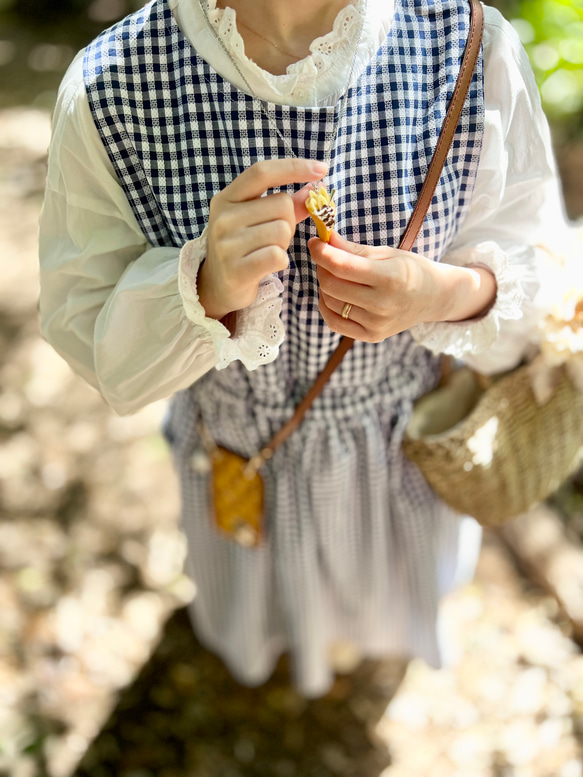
column 392, row 290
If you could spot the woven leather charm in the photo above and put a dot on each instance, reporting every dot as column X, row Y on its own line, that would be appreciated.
column 238, row 498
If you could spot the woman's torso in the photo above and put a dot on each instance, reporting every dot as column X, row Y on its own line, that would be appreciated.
column 177, row 133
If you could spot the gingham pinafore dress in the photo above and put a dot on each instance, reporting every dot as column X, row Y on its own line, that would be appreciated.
column 359, row 548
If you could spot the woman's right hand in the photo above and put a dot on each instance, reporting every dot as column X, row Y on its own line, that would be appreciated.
column 249, row 234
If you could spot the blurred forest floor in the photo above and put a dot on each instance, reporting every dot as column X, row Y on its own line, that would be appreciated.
column 100, row 673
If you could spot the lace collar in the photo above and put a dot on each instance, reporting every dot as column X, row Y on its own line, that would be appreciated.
column 325, row 69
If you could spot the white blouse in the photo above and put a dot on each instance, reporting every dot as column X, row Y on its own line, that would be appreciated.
column 126, row 316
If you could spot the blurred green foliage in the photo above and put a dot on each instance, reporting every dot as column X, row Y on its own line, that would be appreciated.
column 552, row 33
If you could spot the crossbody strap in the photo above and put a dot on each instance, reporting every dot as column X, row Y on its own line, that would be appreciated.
column 471, row 54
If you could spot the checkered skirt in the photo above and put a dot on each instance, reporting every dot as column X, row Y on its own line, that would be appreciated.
column 359, row 548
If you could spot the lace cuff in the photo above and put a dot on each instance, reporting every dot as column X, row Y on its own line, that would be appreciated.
column 476, row 335
column 259, row 331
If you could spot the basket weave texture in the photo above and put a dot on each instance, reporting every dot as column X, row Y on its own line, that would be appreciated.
column 508, row 453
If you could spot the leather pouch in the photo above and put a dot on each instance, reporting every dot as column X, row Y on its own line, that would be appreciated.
column 237, row 496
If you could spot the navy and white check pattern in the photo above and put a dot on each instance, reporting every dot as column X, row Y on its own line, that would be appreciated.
column 177, row 133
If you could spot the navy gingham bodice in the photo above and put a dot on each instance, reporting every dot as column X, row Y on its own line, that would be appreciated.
column 177, row 133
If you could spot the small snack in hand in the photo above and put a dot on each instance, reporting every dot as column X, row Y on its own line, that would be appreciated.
column 322, row 209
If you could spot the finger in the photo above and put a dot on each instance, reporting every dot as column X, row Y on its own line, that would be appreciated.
column 270, row 173
column 356, row 314
column 346, row 291
column 266, row 260
column 263, row 210
column 273, row 233
column 299, row 202
column 341, row 264
column 341, row 325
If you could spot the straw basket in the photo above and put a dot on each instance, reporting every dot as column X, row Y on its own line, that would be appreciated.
column 493, row 453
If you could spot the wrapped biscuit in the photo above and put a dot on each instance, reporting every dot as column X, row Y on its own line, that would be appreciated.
column 322, row 209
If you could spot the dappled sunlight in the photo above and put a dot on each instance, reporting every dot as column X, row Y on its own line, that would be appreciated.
column 482, row 444
column 98, row 662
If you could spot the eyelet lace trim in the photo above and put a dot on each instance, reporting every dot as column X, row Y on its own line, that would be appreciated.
column 259, row 329
column 474, row 336
column 328, row 52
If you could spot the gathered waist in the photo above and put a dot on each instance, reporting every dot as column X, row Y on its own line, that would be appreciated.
column 245, row 421
column 241, row 395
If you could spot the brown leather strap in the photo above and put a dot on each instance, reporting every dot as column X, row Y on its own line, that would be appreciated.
column 446, row 136
column 321, row 380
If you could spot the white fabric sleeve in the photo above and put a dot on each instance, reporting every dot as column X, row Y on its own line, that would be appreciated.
column 516, row 207
column 110, row 303
column 259, row 331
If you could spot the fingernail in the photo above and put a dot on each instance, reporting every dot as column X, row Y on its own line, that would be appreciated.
column 320, row 168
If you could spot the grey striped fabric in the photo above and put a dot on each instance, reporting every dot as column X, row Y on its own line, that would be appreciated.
column 359, row 548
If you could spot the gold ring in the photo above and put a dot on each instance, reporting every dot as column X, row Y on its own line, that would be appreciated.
column 346, row 310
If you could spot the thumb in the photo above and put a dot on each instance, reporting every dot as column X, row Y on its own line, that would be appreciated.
column 360, row 249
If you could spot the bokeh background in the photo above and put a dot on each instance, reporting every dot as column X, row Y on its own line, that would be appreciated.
column 100, row 673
